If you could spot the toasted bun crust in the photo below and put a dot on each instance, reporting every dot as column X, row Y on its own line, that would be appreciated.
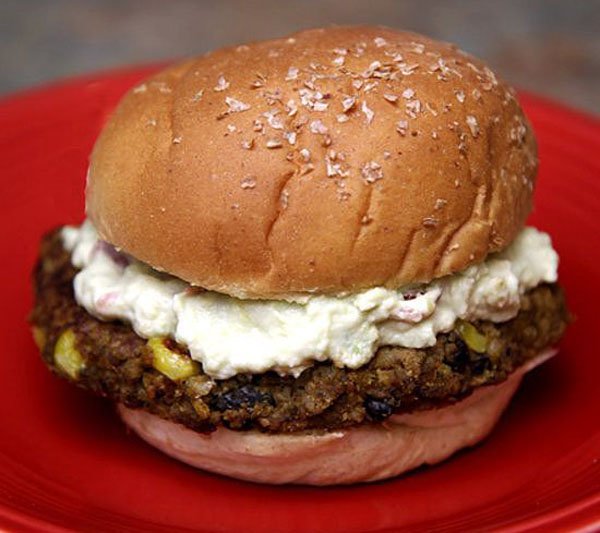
column 365, row 453
column 333, row 160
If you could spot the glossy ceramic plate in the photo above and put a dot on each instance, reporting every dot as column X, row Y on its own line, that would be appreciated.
column 67, row 462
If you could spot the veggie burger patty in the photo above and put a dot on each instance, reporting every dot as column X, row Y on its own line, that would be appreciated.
column 111, row 360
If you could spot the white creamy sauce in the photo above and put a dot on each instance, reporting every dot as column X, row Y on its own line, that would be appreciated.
column 230, row 336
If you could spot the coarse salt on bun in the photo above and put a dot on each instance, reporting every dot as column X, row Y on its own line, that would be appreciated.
column 333, row 160
column 360, row 454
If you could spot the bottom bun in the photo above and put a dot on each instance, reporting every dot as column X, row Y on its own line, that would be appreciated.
column 359, row 454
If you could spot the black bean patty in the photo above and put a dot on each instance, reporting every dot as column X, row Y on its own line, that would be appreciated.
column 118, row 364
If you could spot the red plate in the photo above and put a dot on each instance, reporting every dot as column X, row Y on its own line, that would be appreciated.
column 66, row 461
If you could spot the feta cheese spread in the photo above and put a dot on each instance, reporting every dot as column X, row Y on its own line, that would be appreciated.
column 229, row 336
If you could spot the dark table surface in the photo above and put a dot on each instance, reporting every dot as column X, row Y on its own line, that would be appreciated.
column 548, row 46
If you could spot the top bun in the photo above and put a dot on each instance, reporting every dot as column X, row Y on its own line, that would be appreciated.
column 333, row 160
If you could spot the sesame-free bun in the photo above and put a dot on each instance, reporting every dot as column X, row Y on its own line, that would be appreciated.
column 358, row 454
column 333, row 160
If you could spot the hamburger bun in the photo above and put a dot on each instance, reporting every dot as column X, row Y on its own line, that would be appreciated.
column 360, row 454
column 333, row 160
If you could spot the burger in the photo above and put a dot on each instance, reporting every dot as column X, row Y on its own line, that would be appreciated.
column 305, row 260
